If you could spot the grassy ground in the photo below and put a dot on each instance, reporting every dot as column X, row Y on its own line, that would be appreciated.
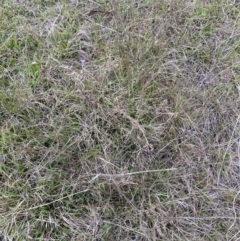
column 119, row 120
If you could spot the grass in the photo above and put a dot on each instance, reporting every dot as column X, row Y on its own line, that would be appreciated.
column 119, row 120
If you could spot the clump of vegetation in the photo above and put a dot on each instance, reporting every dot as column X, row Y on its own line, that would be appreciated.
column 119, row 120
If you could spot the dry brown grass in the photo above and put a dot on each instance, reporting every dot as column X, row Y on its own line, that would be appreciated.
column 119, row 120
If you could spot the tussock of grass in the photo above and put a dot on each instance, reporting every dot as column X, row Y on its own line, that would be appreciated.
column 119, row 120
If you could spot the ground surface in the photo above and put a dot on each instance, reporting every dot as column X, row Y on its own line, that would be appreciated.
column 119, row 120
